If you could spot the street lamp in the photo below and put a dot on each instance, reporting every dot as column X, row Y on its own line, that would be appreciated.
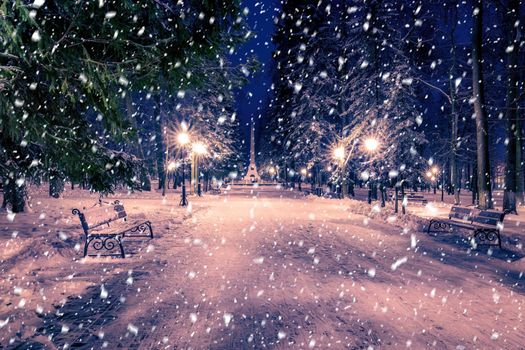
column 172, row 166
column 339, row 156
column 371, row 145
column 442, row 185
column 183, row 139
column 339, row 153
column 198, row 149
column 303, row 174
column 170, row 170
column 272, row 172
column 434, row 172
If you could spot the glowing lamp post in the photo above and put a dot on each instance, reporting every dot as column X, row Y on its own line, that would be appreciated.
column 443, row 185
column 303, row 174
column 183, row 139
column 172, row 166
column 272, row 172
column 339, row 156
column 198, row 149
column 431, row 174
column 371, row 145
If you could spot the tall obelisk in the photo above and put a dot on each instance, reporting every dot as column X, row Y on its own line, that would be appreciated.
column 251, row 174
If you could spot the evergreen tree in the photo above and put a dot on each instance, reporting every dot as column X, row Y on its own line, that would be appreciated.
column 65, row 67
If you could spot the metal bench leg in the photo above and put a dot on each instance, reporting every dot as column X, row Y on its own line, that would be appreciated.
column 439, row 226
column 86, row 245
column 488, row 235
column 150, row 229
column 429, row 226
column 119, row 240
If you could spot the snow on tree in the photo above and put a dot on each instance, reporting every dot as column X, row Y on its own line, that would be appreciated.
column 344, row 67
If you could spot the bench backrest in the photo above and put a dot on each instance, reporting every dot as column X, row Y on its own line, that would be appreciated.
column 488, row 217
column 460, row 213
column 101, row 214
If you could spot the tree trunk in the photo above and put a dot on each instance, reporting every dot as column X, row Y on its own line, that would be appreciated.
column 145, row 183
column 14, row 195
column 513, row 164
column 520, row 180
column 159, row 149
column 482, row 137
column 474, row 185
column 56, row 184
column 454, row 178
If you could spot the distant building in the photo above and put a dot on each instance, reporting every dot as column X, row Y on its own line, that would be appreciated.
column 252, row 175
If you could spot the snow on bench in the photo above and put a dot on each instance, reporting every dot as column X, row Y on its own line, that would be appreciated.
column 485, row 224
column 100, row 235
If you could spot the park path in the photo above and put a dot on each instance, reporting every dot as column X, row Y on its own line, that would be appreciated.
column 266, row 271
column 275, row 269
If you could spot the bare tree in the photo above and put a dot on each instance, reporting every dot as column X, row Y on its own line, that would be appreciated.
column 454, row 176
column 484, row 187
column 513, row 171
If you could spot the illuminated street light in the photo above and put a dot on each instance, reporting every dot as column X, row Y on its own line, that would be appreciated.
column 432, row 176
column 272, row 172
column 199, row 148
column 183, row 138
column 301, row 178
column 172, row 166
column 339, row 153
column 371, row 144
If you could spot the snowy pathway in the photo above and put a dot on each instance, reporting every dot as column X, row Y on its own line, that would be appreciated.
column 278, row 271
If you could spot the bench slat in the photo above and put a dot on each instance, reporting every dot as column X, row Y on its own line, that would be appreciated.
column 484, row 223
column 485, row 220
column 99, row 216
column 460, row 213
column 488, row 217
column 491, row 214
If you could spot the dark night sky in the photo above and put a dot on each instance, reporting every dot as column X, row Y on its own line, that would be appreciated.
column 254, row 96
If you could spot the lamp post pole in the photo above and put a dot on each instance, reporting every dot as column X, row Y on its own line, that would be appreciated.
column 370, row 189
column 197, row 177
column 371, row 145
column 165, row 180
column 183, row 198
column 396, row 194
column 183, row 138
column 442, row 185
column 343, row 179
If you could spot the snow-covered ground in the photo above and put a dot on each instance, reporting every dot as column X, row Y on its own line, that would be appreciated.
column 257, row 269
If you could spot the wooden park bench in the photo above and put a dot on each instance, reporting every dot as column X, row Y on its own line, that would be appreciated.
column 215, row 190
column 412, row 197
column 485, row 224
column 101, row 235
column 416, row 198
column 317, row 191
